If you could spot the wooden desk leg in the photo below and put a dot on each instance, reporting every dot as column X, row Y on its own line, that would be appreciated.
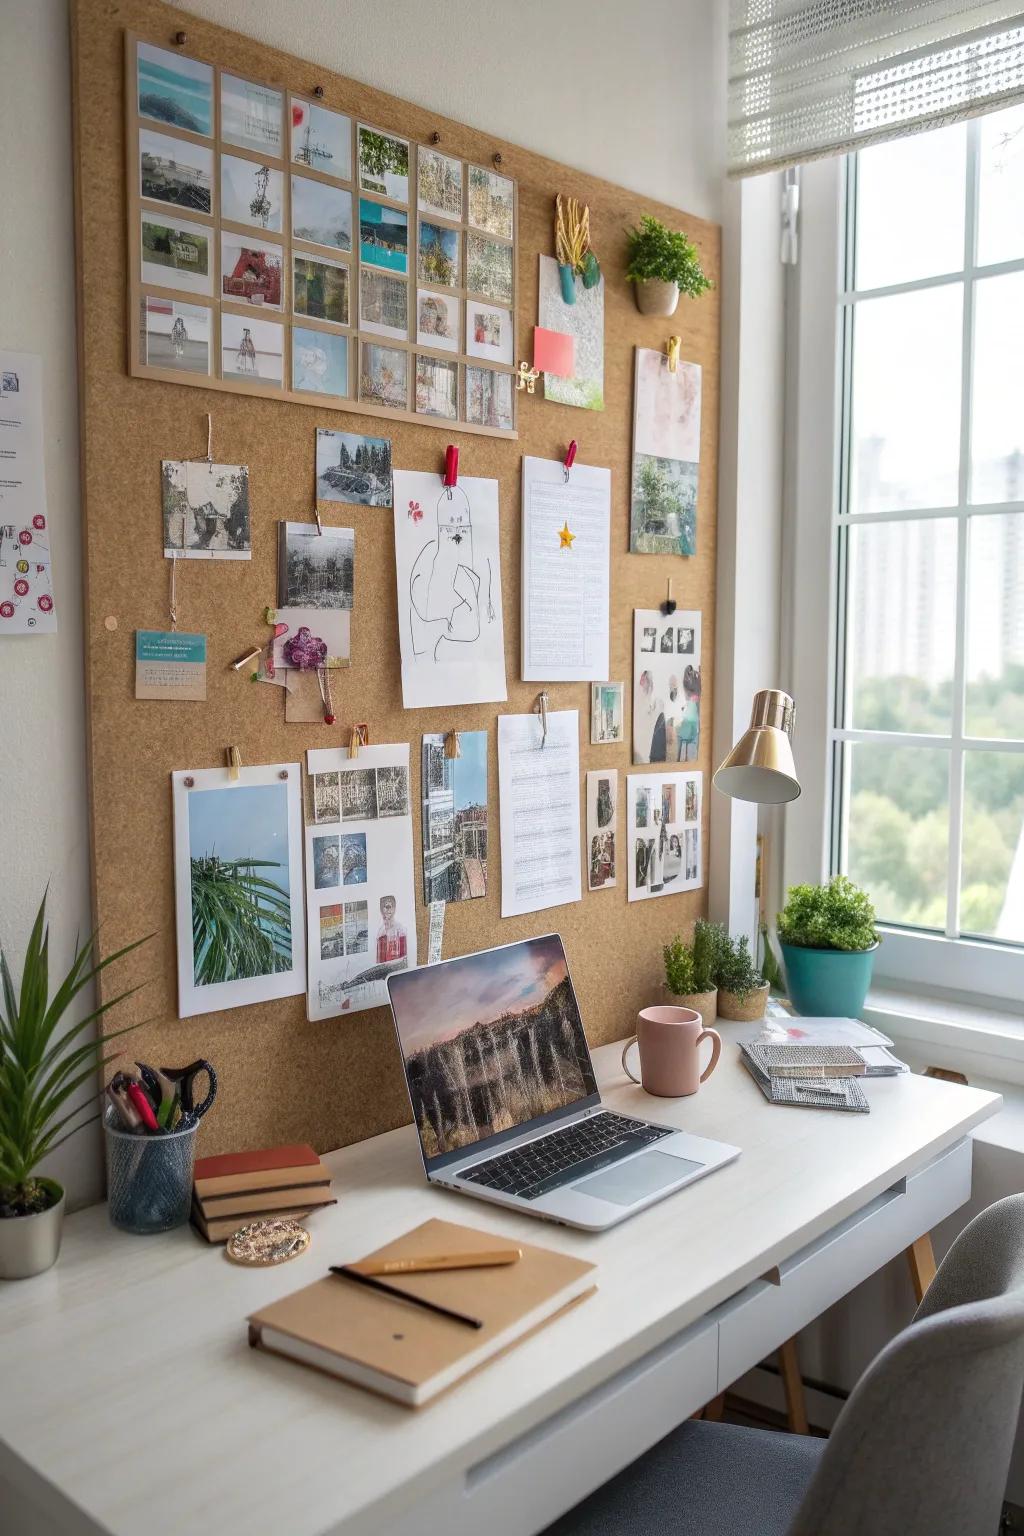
column 921, row 1259
column 715, row 1408
column 796, row 1407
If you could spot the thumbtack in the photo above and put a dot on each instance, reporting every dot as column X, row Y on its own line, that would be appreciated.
column 435, row 137
column 669, row 605
column 318, row 91
column 181, row 38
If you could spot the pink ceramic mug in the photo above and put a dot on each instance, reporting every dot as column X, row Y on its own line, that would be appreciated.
column 669, row 1041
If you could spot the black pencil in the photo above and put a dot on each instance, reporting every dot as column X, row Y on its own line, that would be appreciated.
column 393, row 1290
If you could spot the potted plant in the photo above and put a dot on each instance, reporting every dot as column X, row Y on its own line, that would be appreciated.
column 742, row 986
column 663, row 263
column 690, row 970
column 41, row 1066
column 828, row 938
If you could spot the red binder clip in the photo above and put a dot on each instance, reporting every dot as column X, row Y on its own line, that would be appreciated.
column 570, row 458
column 451, row 468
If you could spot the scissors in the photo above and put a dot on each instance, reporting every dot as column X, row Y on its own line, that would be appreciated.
column 170, row 1087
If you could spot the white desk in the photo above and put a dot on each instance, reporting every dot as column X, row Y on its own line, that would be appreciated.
column 206, row 1435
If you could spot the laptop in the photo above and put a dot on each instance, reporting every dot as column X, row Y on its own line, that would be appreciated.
column 505, row 1100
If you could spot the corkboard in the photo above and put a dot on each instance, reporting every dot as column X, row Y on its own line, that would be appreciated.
column 282, row 1078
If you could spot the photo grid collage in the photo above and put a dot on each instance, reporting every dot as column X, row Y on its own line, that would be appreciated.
column 302, row 251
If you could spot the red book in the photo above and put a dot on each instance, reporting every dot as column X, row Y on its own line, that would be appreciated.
column 263, row 1160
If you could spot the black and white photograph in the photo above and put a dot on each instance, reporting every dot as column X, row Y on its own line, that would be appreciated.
column 353, row 468
column 314, row 569
column 326, row 797
column 250, row 193
column 326, row 862
column 353, row 858
column 393, row 791
column 357, row 927
column 175, row 171
column 359, row 795
column 205, row 510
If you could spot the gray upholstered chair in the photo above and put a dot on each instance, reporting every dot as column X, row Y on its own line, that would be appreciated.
column 922, row 1447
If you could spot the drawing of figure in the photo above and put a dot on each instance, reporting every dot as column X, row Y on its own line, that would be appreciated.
column 391, row 939
column 179, row 336
column 245, row 358
column 445, row 588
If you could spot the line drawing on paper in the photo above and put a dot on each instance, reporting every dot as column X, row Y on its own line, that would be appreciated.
column 450, row 600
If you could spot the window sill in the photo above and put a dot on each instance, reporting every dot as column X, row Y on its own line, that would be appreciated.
column 980, row 1041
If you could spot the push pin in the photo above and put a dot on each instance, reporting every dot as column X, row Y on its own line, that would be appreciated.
column 669, row 605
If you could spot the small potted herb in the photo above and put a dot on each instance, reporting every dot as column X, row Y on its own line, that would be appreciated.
column 41, row 1067
column 828, row 938
column 690, row 970
column 742, row 987
column 663, row 263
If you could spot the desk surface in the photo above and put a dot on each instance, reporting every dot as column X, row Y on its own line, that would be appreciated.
column 257, row 1445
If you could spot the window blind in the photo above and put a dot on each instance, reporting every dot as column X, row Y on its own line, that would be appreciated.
column 809, row 78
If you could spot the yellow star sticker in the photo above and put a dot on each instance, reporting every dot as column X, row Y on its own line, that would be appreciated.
column 565, row 537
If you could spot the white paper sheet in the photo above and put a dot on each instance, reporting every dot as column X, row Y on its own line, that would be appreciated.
column 26, row 587
column 566, row 553
column 663, row 841
column 539, row 793
column 666, row 686
column 360, row 908
column 448, row 570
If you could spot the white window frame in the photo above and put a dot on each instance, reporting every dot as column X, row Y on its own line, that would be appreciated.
column 819, row 308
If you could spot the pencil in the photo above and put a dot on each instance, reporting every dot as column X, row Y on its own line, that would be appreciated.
column 484, row 1259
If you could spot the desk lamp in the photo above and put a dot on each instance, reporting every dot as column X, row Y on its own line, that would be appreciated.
column 760, row 766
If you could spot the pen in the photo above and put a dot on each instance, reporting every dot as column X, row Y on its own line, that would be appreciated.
column 141, row 1103
column 485, row 1259
column 417, row 1301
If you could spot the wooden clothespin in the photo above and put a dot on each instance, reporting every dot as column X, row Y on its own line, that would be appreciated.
column 246, row 658
column 319, row 524
column 570, row 459
column 541, row 708
column 234, row 758
column 452, row 745
column 526, row 377
column 672, row 352
column 360, row 738
column 450, row 478
column 669, row 605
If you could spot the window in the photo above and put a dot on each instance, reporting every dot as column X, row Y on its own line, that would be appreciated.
column 926, row 740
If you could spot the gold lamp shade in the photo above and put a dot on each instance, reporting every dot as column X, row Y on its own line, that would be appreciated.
column 760, row 766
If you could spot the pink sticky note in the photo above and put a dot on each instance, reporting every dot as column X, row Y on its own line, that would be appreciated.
column 554, row 352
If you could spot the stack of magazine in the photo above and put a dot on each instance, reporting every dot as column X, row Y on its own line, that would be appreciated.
column 819, row 1063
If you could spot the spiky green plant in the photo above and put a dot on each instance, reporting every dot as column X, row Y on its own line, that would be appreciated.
column 41, row 1066
column 241, row 921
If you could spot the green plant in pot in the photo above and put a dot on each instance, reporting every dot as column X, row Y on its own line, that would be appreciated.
column 42, row 1065
column 663, row 263
column 828, row 939
column 690, row 969
column 742, row 986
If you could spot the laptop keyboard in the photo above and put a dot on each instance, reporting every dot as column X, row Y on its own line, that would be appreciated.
column 564, row 1156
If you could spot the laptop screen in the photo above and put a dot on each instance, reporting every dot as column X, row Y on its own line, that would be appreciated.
column 490, row 1043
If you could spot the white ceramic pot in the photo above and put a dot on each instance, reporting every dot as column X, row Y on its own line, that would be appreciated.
column 30, row 1244
column 655, row 297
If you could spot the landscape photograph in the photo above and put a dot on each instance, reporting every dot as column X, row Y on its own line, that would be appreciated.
column 491, row 1042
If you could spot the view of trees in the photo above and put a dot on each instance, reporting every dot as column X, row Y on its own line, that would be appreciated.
column 899, row 801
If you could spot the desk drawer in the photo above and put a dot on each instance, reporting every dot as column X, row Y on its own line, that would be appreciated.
column 762, row 1317
column 524, row 1486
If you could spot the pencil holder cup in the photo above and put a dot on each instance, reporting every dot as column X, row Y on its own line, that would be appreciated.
column 149, row 1178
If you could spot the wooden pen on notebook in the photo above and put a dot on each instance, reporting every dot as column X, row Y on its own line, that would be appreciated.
column 483, row 1259
column 417, row 1301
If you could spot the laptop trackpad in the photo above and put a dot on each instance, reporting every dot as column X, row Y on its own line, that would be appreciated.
column 625, row 1183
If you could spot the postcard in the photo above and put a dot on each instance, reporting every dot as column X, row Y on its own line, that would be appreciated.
column 602, row 816
column 353, row 468
column 314, row 569
column 251, row 193
column 584, row 322
column 489, row 398
column 174, row 90
column 437, row 259
column 251, row 271
column 321, row 213
column 440, row 183
column 251, row 349
column 606, row 713
column 175, row 171
column 488, row 332
column 489, row 268
column 250, row 115
column 320, row 288
column 491, row 202
column 319, row 362
column 321, row 139
column 174, row 334
column 383, row 237
column 205, row 510
column 383, row 304
column 383, row 164
column 437, row 387
column 437, row 320
column 176, row 254
column 384, row 376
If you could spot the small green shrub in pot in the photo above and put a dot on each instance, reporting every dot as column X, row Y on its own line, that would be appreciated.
column 742, row 987
column 690, row 969
column 828, row 939
column 663, row 263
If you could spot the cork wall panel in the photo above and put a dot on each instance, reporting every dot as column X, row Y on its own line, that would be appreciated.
column 282, row 1078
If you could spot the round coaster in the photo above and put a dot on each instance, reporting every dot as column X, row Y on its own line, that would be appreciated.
column 267, row 1242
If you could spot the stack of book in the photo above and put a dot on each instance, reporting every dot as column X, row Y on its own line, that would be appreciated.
column 239, row 1187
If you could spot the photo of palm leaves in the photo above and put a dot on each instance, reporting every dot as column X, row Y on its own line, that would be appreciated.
column 240, row 885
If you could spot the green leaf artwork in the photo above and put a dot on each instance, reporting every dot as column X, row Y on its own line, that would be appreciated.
column 241, row 920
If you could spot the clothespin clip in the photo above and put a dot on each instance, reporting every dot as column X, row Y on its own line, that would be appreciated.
column 669, row 605
column 451, row 469
column 319, row 524
column 244, row 660
column 570, row 459
column 526, row 377
column 541, row 708
column 672, row 352
column 234, row 758
column 452, row 745
column 360, row 738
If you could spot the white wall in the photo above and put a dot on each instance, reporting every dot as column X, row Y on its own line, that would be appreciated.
column 635, row 94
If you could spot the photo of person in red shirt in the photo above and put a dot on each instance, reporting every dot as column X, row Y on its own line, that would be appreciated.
column 391, row 940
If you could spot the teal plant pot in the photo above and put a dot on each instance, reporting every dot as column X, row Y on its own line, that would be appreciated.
column 567, row 278
column 828, row 983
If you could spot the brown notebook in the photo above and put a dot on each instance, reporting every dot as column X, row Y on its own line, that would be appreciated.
column 404, row 1351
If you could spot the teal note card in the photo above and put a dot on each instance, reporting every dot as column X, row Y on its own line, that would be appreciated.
column 169, row 665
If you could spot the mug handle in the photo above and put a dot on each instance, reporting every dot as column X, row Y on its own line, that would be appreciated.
column 716, row 1050
column 625, row 1051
